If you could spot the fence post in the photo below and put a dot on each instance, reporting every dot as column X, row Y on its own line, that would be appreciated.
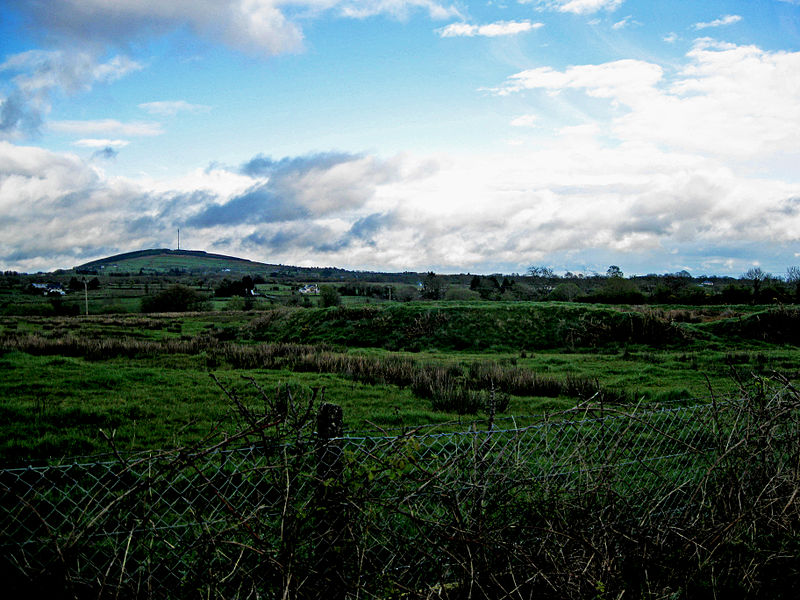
column 330, row 502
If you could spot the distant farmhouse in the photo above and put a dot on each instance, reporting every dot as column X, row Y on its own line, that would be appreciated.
column 311, row 289
column 49, row 289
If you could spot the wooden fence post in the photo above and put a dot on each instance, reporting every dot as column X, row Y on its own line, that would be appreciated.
column 330, row 502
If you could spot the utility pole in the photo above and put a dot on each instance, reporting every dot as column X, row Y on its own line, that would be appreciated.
column 179, row 238
column 86, row 295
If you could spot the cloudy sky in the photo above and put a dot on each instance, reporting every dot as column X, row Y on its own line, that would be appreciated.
column 404, row 134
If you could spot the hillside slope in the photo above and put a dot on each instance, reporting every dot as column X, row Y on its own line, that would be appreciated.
column 159, row 261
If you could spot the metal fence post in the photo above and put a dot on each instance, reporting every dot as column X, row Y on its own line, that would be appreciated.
column 330, row 502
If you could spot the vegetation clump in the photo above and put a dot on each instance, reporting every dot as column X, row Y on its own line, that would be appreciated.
column 176, row 298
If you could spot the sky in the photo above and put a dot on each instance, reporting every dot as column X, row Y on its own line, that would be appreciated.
column 395, row 135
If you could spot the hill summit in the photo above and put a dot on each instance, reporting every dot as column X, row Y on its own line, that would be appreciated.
column 159, row 261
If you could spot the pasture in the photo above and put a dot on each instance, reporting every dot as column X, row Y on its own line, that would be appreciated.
column 73, row 383
column 487, row 449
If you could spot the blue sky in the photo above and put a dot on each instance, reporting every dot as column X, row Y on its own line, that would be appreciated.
column 404, row 134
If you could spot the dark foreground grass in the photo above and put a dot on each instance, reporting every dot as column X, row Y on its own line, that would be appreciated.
column 697, row 502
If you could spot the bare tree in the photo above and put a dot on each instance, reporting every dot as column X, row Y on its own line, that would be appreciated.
column 541, row 271
column 758, row 276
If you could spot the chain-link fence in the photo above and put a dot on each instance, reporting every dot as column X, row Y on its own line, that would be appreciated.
column 416, row 515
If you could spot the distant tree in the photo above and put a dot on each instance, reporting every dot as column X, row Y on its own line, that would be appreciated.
column 540, row 271
column 618, row 289
column 61, row 308
column 405, row 293
column 175, row 298
column 692, row 294
column 432, row 287
column 735, row 294
column 757, row 276
column 662, row 294
column 774, row 291
column 565, row 292
column 329, row 296
column 793, row 280
column 93, row 284
column 614, row 271
column 461, row 293
column 227, row 288
column 487, row 287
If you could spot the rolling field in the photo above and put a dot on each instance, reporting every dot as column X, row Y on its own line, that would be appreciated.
column 598, row 423
column 72, row 383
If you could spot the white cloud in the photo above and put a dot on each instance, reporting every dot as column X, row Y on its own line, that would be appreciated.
column 728, row 100
column 689, row 177
column 256, row 26
column 500, row 28
column 108, row 127
column 671, row 37
column 169, row 108
column 581, row 7
column 724, row 20
column 100, row 143
column 398, row 8
column 259, row 27
column 38, row 74
column 42, row 70
column 626, row 22
column 627, row 81
column 573, row 201
column 525, row 121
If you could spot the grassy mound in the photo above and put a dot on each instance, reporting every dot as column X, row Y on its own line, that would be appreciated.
column 471, row 327
column 776, row 326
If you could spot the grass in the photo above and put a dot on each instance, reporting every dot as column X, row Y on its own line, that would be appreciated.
column 642, row 504
column 57, row 406
column 145, row 378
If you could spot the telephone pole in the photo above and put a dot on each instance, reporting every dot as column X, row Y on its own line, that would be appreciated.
column 179, row 238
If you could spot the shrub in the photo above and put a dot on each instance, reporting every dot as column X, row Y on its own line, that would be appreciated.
column 460, row 293
column 176, row 298
column 329, row 296
column 565, row 292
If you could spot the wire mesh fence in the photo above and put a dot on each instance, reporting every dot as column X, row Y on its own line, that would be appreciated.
column 374, row 516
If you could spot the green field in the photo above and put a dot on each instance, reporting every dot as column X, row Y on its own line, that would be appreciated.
column 72, row 383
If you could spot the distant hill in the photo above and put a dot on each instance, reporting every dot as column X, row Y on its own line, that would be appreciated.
column 162, row 261
column 159, row 253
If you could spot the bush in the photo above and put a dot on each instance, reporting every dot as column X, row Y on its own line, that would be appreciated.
column 329, row 296
column 565, row 292
column 176, row 298
column 460, row 293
